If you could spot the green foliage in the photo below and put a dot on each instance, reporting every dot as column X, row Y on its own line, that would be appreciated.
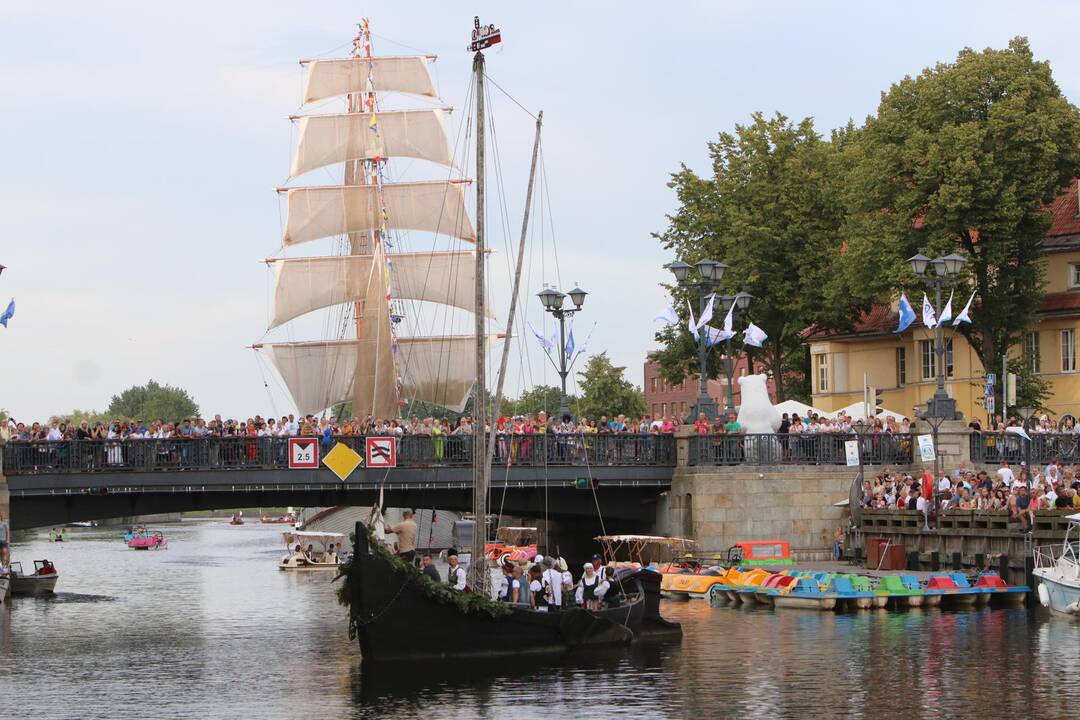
column 439, row 592
column 963, row 157
column 540, row 398
column 92, row 416
column 604, row 391
column 773, row 212
column 153, row 401
column 1031, row 390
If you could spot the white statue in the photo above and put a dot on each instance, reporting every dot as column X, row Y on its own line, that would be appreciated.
column 757, row 413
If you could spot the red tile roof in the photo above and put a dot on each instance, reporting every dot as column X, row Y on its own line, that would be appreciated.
column 1060, row 302
column 880, row 319
column 1065, row 213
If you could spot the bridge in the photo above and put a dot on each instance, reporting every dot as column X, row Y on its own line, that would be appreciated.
column 563, row 476
column 53, row 483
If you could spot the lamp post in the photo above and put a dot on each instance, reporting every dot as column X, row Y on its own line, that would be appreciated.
column 552, row 300
column 1026, row 413
column 710, row 273
column 940, row 407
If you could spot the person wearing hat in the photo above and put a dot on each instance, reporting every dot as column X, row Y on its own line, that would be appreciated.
column 598, row 564
column 586, row 592
column 551, row 579
column 567, row 580
column 455, row 574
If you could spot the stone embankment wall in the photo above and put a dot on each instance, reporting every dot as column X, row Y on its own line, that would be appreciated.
column 719, row 506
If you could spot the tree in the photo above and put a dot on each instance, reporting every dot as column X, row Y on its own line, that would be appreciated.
column 604, row 391
column 966, row 156
column 1031, row 390
column 773, row 212
column 540, row 398
column 153, row 401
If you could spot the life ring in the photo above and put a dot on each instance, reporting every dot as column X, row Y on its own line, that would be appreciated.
column 1044, row 595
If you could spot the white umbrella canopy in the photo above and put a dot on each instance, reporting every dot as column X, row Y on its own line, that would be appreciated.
column 856, row 411
column 794, row 406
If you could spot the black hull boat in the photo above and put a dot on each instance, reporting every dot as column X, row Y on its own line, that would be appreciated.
column 397, row 614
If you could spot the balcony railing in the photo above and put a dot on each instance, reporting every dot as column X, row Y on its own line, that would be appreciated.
column 987, row 447
column 414, row 451
column 799, row 449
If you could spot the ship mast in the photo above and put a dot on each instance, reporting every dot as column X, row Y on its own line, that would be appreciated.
column 482, row 37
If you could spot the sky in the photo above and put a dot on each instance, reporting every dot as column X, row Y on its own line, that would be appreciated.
column 143, row 142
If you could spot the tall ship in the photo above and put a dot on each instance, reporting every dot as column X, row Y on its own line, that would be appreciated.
column 384, row 293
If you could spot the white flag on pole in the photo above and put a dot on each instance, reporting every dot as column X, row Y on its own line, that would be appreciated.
column 929, row 318
column 946, row 314
column 706, row 316
column 691, row 325
column 963, row 316
column 668, row 316
column 754, row 335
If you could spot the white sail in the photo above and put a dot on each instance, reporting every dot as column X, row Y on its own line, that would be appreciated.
column 331, row 78
column 306, row 284
column 319, row 212
column 320, row 374
column 330, row 139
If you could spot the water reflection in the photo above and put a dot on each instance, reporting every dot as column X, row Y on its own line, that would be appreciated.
column 210, row 628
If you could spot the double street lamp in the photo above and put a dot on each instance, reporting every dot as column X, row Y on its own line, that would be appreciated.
column 709, row 275
column 552, row 300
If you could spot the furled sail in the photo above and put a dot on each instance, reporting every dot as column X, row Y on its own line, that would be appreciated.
column 330, row 139
column 306, row 284
column 320, row 374
column 330, row 78
column 319, row 212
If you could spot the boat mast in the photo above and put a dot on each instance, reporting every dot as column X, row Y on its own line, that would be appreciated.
column 354, row 176
column 482, row 37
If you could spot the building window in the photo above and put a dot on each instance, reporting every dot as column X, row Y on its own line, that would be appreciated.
column 684, row 409
column 663, row 409
column 821, row 372
column 654, row 410
column 654, row 384
column 1031, row 352
column 928, row 366
column 901, row 367
column 1068, row 351
column 1074, row 275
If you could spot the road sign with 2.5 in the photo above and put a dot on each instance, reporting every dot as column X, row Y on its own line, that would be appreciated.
column 303, row 453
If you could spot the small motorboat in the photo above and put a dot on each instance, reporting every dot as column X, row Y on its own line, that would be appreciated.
column 696, row 585
column 1000, row 592
column 133, row 532
column 301, row 553
column 60, row 535
column 953, row 589
column 1058, row 569
column 148, row 540
column 236, row 520
column 901, row 590
column 512, row 543
column 41, row 582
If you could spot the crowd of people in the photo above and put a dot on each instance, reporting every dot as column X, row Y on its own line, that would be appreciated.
column 542, row 583
column 1021, row 492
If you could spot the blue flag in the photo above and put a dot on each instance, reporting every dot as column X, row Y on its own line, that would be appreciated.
column 907, row 314
column 9, row 313
column 570, row 341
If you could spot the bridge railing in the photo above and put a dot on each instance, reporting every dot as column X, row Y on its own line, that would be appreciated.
column 798, row 449
column 240, row 453
column 988, row 447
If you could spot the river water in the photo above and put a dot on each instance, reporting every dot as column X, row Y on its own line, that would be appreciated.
column 211, row 629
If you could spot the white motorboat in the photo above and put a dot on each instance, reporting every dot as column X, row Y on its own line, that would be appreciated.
column 1058, row 569
column 41, row 582
column 311, row 550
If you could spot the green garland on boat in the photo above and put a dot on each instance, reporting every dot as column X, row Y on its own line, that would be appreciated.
column 439, row 592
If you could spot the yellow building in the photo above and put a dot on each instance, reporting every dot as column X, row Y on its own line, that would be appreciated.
column 903, row 365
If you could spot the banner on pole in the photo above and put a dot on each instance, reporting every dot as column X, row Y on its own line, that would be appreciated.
column 926, row 448
column 851, row 447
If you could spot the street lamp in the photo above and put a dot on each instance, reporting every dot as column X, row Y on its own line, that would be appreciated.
column 1026, row 413
column 710, row 273
column 940, row 407
column 552, row 300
